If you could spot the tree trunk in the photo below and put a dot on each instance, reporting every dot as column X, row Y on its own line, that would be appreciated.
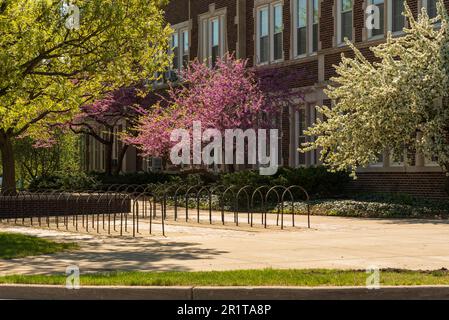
column 108, row 158
column 121, row 156
column 8, row 164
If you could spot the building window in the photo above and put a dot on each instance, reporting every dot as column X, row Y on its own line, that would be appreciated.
column 185, row 48
column 213, row 39
column 396, row 21
column 305, row 117
column 270, row 31
column 300, row 136
column 180, row 48
column 344, row 26
column 263, row 38
column 380, row 31
column 431, row 7
column 175, row 50
column 277, row 32
column 315, row 17
column 306, row 22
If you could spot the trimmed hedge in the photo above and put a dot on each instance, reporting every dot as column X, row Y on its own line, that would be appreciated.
column 65, row 180
column 316, row 180
column 132, row 178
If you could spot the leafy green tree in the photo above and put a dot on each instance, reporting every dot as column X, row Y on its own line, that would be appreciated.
column 400, row 100
column 39, row 161
column 56, row 56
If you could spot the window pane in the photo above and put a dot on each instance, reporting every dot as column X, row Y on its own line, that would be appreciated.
column 301, row 40
column 185, row 41
column 215, row 32
column 215, row 55
column 185, row 48
column 302, row 138
column 315, row 13
column 278, row 54
column 396, row 15
column 263, row 35
column 175, row 48
column 263, row 22
column 215, row 41
column 431, row 8
column 301, row 14
column 380, row 31
column 315, row 38
column 277, row 16
column 263, row 43
column 346, row 5
column 277, row 37
column 315, row 17
column 301, row 27
column 346, row 25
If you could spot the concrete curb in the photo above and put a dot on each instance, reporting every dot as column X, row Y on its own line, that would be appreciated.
column 320, row 293
column 45, row 292
column 48, row 292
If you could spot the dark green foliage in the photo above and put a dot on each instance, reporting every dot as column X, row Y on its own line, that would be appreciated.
column 132, row 178
column 65, row 180
column 316, row 180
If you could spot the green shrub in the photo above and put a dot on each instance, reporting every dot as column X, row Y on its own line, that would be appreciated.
column 317, row 181
column 373, row 206
column 65, row 180
column 132, row 178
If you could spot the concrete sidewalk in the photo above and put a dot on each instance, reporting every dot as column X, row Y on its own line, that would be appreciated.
column 342, row 243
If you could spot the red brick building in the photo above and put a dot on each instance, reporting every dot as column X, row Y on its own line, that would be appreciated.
column 307, row 35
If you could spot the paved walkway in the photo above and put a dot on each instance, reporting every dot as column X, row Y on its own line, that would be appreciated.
column 333, row 243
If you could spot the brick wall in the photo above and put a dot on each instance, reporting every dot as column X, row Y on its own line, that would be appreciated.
column 180, row 11
column 425, row 185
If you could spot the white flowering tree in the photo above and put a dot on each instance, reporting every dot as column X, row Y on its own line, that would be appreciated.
column 399, row 100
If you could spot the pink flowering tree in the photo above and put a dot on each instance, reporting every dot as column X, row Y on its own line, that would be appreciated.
column 100, row 118
column 231, row 95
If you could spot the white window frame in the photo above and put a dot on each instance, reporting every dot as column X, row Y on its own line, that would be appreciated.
column 205, row 22
column 309, row 29
column 258, row 34
column 340, row 39
column 179, row 32
column 211, row 37
column 272, row 34
column 390, row 19
column 270, row 7
column 183, row 42
column 370, row 31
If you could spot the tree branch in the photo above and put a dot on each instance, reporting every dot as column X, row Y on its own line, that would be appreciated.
column 90, row 131
column 37, row 119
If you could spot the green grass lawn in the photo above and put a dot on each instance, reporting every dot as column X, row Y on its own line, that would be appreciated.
column 266, row 277
column 16, row 245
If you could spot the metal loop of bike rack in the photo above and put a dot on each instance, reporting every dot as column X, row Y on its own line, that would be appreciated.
column 121, row 205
